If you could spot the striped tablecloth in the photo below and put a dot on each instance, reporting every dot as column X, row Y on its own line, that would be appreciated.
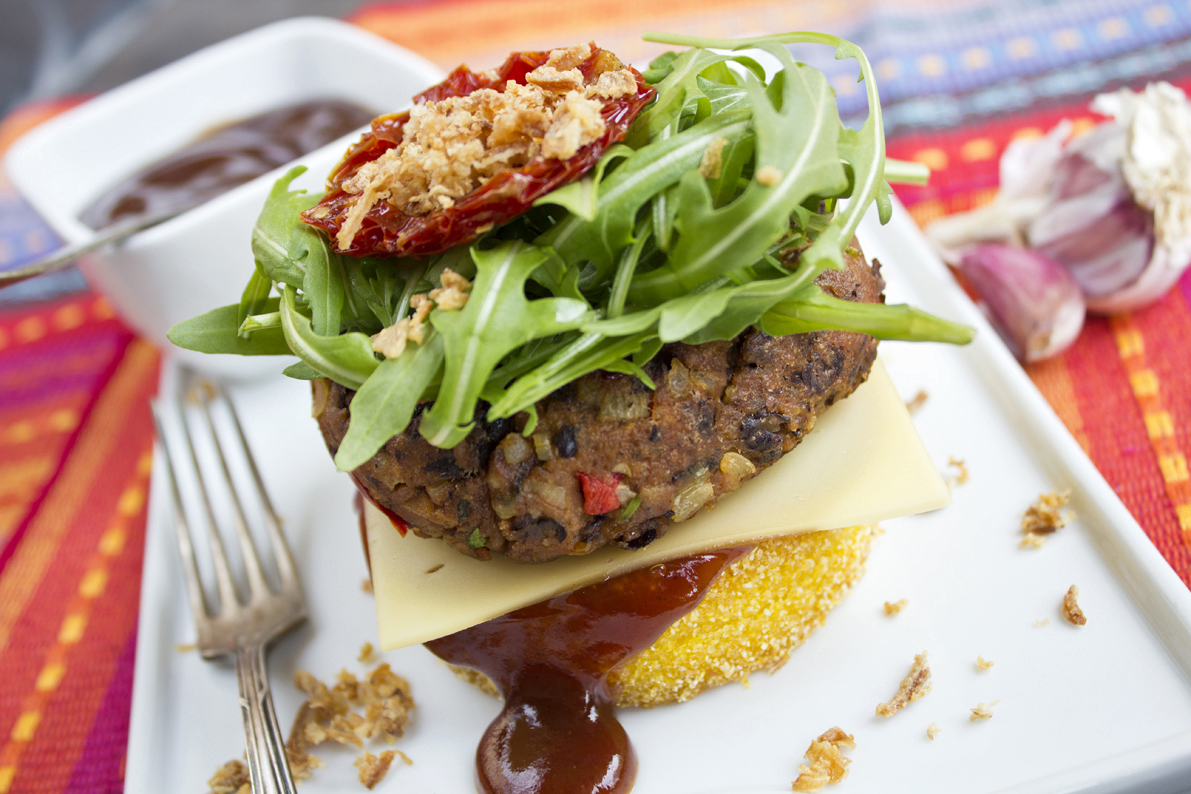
column 959, row 81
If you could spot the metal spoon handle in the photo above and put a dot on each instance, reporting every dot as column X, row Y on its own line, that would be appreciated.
column 65, row 255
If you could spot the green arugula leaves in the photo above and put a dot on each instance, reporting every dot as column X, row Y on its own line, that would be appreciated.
column 718, row 212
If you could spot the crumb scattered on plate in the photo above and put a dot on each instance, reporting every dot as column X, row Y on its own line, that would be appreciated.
column 893, row 607
column 352, row 711
column 982, row 663
column 1042, row 622
column 962, row 472
column 933, row 730
column 1071, row 609
column 372, row 768
column 913, row 686
column 366, row 586
column 828, row 765
column 186, row 647
column 1046, row 515
column 1033, row 540
column 368, row 654
column 916, row 402
column 231, row 778
column 983, row 711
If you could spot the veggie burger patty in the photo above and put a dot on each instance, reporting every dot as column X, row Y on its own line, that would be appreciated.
column 611, row 461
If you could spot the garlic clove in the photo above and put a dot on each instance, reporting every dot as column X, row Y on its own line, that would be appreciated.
column 1033, row 302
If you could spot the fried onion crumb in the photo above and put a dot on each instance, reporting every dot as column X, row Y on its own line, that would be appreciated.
column 917, row 401
column 454, row 292
column 366, row 586
column 983, row 711
column 352, row 711
column 982, row 663
column 768, row 175
column 1071, row 610
column 828, row 765
column 1033, row 540
column 961, row 467
column 712, row 163
column 933, row 730
column 372, row 769
column 1046, row 515
column 231, row 778
column 368, row 654
column 894, row 607
column 1042, row 622
column 913, row 686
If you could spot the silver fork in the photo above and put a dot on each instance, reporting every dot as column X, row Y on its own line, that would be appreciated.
column 239, row 628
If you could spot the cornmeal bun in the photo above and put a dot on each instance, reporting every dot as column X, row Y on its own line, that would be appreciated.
column 761, row 608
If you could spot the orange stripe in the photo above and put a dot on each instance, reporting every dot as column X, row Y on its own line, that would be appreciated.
column 485, row 32
column 1053, row 379
column 1147, row 389
column 31, row 424
column 35, row 706
column 102, row 433
column 55, row 319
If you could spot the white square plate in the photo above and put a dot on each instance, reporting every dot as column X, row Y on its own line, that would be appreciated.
column 1101, row 708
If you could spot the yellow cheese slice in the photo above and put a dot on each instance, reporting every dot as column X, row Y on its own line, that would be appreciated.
column 863, row 463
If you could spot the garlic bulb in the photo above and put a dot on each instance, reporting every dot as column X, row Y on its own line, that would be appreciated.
column 1113, row 207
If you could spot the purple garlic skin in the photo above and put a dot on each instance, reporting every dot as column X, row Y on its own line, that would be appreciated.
column 1033, row 301
column 1092, row 225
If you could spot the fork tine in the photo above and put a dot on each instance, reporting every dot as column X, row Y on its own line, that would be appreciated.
column 194, row 588
column 281, row 552
column 257, row 585
column 229, row 601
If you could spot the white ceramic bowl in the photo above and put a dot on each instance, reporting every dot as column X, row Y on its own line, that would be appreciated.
column 201, row 259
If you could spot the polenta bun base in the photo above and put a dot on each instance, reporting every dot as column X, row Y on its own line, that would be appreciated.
column 762, row 607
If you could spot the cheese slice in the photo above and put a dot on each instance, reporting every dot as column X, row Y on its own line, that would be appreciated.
column 863, row 463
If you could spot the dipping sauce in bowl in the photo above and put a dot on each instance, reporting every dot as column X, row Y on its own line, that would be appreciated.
column 226, row 157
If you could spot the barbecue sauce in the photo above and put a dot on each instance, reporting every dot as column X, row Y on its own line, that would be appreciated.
column 557, row 733
column 397, row 521
column 224, row 158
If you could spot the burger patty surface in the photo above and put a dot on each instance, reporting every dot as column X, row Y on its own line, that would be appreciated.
column 721, row 412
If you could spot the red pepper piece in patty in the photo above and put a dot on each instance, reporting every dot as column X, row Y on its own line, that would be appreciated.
column 388, row 231
column 599, row 493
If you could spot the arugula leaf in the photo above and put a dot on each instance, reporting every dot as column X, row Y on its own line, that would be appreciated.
column 580, row 196
column 323, row 282
column 630, row 186
column 218, row 331
column 255, row 293
column 678, row 87
column 300, row 370
column 274, row 228
column 496, row 320
column 347, row 359
column 384, row 405
column 586, row 354
column 797, row 155
column 814, row 310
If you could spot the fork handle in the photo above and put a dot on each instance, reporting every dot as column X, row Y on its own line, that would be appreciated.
column 267, row 762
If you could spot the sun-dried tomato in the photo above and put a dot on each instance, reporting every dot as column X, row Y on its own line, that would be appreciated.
column 387, row 230
column 599, row 493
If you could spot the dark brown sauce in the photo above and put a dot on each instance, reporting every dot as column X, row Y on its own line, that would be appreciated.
column 397, row 521
column 557, row 733
column 226, row 157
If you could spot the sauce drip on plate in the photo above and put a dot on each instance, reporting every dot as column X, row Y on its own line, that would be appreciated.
column 557, row 733
column 226, row 157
